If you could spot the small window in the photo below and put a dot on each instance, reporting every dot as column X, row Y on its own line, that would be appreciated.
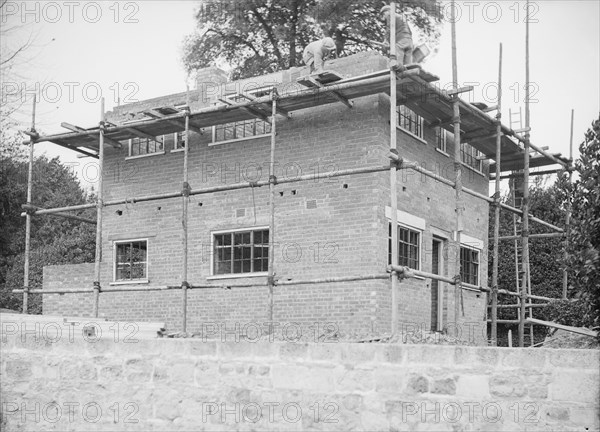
column 469, row 265
column 408, row 247
column 143, row 146
column 179, row 140
column 131, row 260
column 410, row 121
column 470, row 156
column 246, row 129
column 241, row 252
column 241, row 130
column 440, row 139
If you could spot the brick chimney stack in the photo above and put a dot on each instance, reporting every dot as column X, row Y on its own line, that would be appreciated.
column 210, row 82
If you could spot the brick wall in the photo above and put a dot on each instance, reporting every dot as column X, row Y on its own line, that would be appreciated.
column 192, row 384
column 345, row 234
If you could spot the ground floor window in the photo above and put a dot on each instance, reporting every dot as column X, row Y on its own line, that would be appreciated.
column 244, row 251
column 131, row 260
column 408, row 247
column 469, row 265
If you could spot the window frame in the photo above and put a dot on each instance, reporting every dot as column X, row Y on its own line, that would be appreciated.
column 213, row 275
column 478, row 264
column 472, row 153
column 137, row 156
column 410, row 229
column 178, row 137
column 417, row 121
column 441, row 137
column 266, row 125
column 116, row 281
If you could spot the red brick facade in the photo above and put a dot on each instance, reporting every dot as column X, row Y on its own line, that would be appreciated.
column 325, row 228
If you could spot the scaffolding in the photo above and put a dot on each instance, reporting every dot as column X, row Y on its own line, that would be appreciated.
column 412, row 87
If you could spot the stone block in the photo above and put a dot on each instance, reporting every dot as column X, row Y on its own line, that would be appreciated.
column 575, row 386
column 507, row 386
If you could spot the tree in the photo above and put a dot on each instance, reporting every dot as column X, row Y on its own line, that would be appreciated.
column 53, row 240
column 584, row 245
column 256, row 37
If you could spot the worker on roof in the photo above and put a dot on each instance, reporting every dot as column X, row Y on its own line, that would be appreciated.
column 404, row 41
column 316, row 52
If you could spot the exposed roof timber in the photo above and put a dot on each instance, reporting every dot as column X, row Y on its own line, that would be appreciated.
column 251, row 110
column 107, row 140
column 335, row 94
column 176, row 122
column 140, row 134
column 280, row 110
column 85, row 152
column 430, row 100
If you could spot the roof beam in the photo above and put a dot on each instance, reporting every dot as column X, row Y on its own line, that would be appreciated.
column 112, row 142
column 85, row 152
column 280, row 111
column 334, row 93
column 175, row 122
column 250, row 110
column 140, row 134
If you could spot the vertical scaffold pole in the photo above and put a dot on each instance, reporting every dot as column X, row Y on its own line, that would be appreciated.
column 565, row 281
column 99, row 205
column 457, row 171
column 494, row 329
column 272, row 182
column 393, row 167
column 184, row 222
column 525, row 208
column 28, row 215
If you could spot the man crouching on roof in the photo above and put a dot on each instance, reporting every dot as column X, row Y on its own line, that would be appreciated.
column 315, row 53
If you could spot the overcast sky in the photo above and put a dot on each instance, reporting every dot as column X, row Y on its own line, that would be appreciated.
column 132, row 50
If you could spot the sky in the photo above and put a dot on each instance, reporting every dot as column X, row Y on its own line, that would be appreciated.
column 127, row 51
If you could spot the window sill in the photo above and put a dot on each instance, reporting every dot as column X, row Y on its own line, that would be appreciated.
column 179, row 150
column 237, row 276
column 442, row 152
column 418, row 138
column 145, row 155
column 473, row 169
column 131, row 282
column 238, row 139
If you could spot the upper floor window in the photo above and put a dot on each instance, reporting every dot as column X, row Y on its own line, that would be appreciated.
column 142, row 146
column 239, row 252
column 440, row 139
column 175, row 141
column 245, row 129
column 131, row 260
column 409, row 242
column 469, row 265
column 470, row 156
column 240, row 130
column 410, row 121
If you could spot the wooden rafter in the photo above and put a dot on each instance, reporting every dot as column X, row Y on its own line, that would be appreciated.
column 112, row 142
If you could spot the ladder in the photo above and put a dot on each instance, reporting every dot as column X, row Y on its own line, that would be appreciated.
column 516, row 190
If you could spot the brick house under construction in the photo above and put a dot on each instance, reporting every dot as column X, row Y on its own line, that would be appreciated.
column 331, row 232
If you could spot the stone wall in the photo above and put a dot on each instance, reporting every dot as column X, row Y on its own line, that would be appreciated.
column 195, row 384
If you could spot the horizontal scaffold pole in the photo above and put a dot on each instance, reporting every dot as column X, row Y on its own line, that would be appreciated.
column 223, row 188
column 418, row 168
column 32, row 209
column 412, row 273
column 516, row 294
column 534, row 236
column 208, row 286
